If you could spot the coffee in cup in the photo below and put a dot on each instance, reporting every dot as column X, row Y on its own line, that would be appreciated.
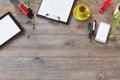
column 83, row 10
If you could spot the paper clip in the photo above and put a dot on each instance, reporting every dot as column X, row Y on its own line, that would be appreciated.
column 105, row 5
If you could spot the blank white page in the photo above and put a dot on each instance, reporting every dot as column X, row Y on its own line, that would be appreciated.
column 102, row 32
column 8, row 29
column 56, row 8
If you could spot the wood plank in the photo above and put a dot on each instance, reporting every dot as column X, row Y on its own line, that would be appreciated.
column 59, row 68
column 60, row 45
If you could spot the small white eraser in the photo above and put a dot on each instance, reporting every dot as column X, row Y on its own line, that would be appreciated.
column 102, row 33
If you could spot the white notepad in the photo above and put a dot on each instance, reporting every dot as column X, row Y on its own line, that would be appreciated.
column 56, row 9
column 102, row 32
column 8, row 28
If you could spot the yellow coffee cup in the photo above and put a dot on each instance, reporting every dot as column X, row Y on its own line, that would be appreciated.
column 81, row 12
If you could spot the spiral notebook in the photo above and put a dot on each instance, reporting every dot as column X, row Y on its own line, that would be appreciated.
column 9, row 28
column 58, row 10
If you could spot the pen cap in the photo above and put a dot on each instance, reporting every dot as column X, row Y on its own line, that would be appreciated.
column 94, row 24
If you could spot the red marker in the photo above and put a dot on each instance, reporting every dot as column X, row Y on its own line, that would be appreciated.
column 22, row 8
column 105, row 5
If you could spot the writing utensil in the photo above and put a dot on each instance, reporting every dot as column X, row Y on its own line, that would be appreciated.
column 93, row 28
column 90, row 31
column 105, row 5
column 24, row 8
column 28, row 8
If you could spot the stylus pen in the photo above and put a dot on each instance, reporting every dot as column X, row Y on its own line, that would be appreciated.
column 104, row 6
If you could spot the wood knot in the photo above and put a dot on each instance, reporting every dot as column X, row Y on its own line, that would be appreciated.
column 100, row 77
column 39, row 60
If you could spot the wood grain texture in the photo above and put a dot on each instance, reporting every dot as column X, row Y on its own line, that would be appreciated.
column 57, row 51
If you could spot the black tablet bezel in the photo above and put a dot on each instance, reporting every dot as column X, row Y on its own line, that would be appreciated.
column 16, row 22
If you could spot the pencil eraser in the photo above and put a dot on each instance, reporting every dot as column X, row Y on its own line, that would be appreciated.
column 102, row 33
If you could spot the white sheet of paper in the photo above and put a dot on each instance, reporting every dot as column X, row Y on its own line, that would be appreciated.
column 56, row 8
column 8, row 29
column 102, row 32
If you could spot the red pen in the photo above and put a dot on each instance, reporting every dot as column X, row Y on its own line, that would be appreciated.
column 105, row 5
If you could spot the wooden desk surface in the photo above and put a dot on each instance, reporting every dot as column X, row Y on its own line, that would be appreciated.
column 56, row 51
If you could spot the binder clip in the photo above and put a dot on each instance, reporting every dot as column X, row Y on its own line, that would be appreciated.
column 53, row 16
